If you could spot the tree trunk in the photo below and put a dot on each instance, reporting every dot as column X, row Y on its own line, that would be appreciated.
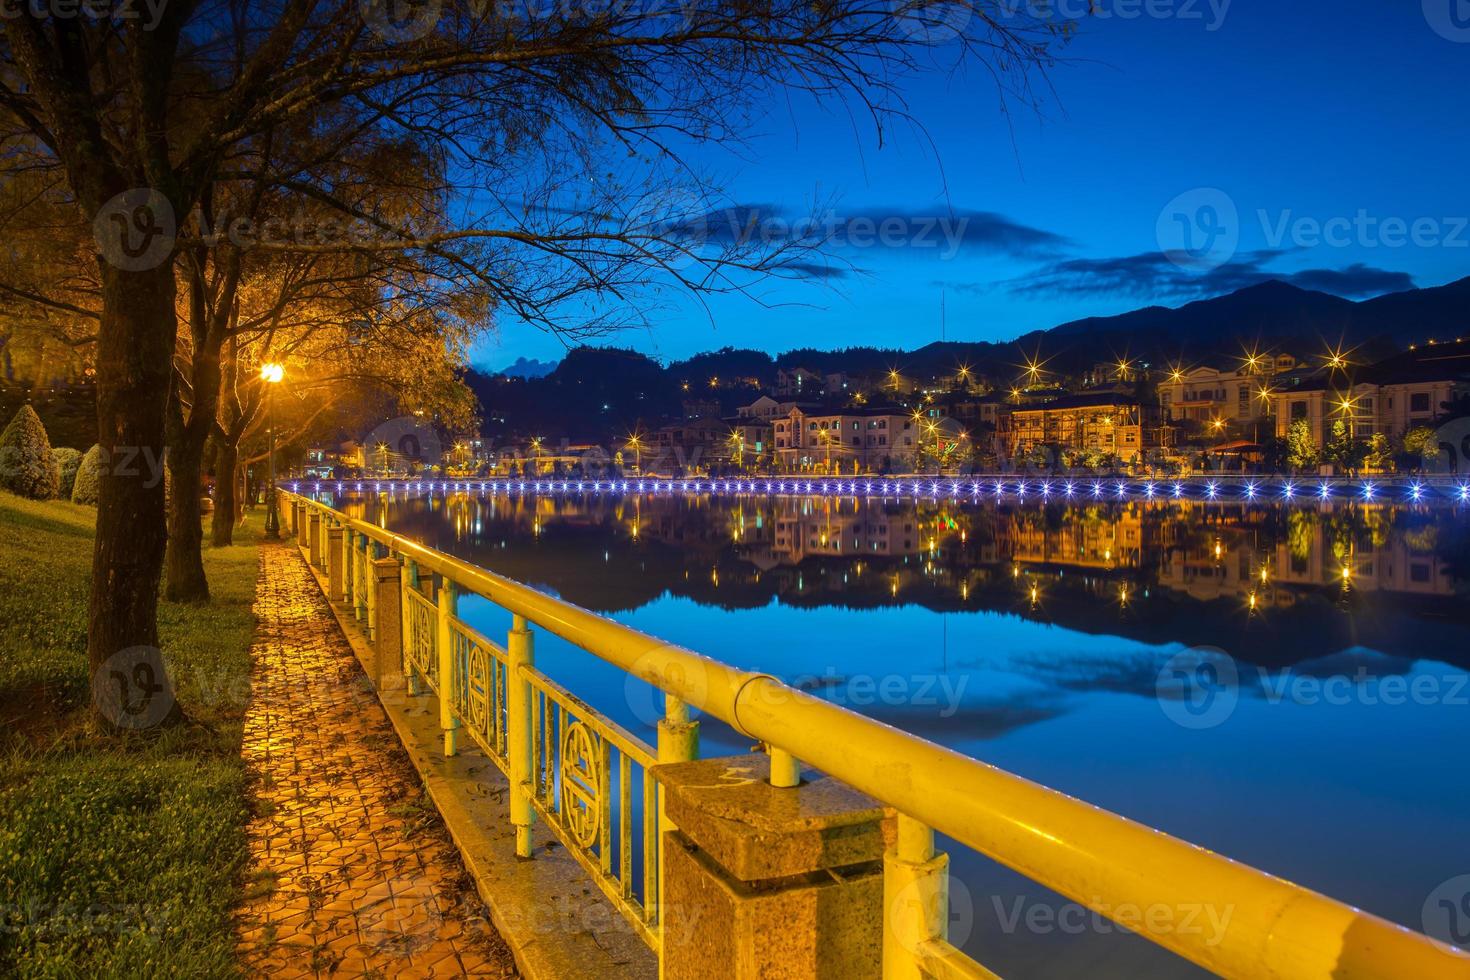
column 134, row 367
column 185, row 580
column 226, row 480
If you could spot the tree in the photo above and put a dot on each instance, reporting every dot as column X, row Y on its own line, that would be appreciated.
column 27, row 468
column 1420, row 444
column 1343, row 450
column 1380, row 454
column 1301, row 445
column 558, row 145
column 67, row 460
column 88, row 485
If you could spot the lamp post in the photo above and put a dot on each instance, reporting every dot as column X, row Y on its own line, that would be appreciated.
column 271, row 374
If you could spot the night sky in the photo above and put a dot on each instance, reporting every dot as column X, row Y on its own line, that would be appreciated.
column 1352, row 111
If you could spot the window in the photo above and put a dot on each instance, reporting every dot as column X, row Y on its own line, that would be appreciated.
column 1419, row 402
column 1298, row 410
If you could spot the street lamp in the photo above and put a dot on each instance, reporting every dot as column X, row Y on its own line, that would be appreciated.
column 271, row 375
column 635, row 442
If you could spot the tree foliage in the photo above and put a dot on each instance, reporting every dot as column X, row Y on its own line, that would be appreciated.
column 88, row 483
column 26, row 465
column 67, row 460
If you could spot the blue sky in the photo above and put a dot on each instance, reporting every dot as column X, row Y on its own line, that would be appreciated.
column 1327, row 146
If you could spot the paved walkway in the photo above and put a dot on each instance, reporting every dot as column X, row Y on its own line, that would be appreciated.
column 352, row 873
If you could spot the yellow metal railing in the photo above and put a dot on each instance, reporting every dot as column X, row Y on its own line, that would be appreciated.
column 1106, row 863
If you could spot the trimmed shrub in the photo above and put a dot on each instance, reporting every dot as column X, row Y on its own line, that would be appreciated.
column 26, row 466
column 67, row 460
column 89, row 478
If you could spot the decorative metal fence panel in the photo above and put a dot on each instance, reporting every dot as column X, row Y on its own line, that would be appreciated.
column 422, row 642
column 479, row 691
column 586, row 788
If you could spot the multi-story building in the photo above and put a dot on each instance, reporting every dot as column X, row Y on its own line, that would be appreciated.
column 847, row 439
column 1214, row 396
column 1103, row 422
column 1390, row 397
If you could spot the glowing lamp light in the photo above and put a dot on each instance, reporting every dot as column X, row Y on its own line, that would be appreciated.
column 1416, row 491
column 1178, row 490
column 1070, row 489
column 1250, row 491
column 1464, row 493
column 1368, row 491
column 1148, row 491
column 1288, row 491
column 1212, row 490
column 1097, row 489
column 1325, row 491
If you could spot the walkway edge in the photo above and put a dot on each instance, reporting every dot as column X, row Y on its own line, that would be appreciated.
column 556, row 922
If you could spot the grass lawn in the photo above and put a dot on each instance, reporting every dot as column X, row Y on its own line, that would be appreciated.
column 119, row 857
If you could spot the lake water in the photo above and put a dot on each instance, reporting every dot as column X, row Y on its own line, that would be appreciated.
column 1034, row 637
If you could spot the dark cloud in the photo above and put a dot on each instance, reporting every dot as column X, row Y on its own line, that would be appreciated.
column 1155, row 275
column 1355, row 282
column 947, row 231
column 814, row 270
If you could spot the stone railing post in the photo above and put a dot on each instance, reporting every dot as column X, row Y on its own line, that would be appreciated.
column 336, row 578
column 761, row 881
column 520, row 653
column 370, row 554
column 387, row 588
column 357, row 599
column 315, row 543
column 448, row 609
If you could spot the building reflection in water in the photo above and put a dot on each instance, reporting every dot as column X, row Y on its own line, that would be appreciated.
column 1129, row 568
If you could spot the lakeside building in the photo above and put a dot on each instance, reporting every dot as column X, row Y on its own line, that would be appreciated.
column 1214, row 396
column 1099, row 422
column 875, row 439
column 1411, row 389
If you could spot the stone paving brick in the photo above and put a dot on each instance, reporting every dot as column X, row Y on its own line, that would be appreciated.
column 351, row 873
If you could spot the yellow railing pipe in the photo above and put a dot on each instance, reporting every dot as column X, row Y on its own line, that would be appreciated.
column 1114, row 866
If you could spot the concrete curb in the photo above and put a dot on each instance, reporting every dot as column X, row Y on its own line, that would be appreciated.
column 555, row 920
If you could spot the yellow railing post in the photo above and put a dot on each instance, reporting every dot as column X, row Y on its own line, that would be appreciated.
column 448, row 609
column 520, row 653
column 915, row 899
column 785, row 769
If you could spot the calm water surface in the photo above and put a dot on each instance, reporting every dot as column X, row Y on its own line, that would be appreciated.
column 1034, row 637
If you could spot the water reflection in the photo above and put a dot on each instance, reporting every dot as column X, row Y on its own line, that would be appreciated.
column 1274, row 585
